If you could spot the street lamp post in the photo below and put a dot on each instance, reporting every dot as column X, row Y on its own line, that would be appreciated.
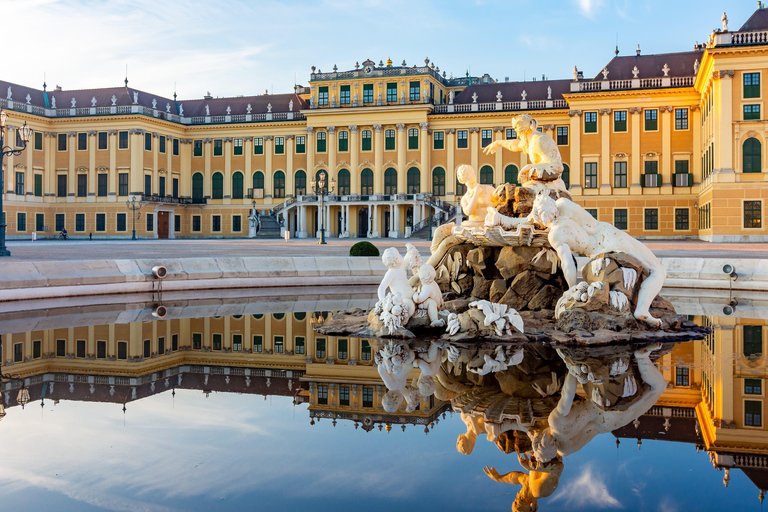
column 134, row 206
column 24, row 133
column 318, row 187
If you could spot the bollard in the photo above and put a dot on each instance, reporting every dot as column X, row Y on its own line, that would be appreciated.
column 287, row 235
column 34, row 236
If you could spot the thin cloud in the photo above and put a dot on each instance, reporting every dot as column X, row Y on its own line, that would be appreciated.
column 589, row 490
column 589, row 7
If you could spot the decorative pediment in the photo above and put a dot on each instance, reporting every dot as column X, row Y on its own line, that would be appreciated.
column 390, row 163
column 751, row 133
column 20, row 166
column 101, row 168
column 82, row 169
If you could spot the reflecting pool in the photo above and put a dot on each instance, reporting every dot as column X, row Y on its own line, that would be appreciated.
column 232, row 403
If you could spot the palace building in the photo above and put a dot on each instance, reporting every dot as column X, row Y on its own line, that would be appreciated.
column 662, row 146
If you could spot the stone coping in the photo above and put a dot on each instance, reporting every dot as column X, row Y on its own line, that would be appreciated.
column 25, row 280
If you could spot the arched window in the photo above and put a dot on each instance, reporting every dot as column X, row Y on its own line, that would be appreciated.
column 237, row 185
column 486, row 175
column 461, row 188
column 217, row 186
column 327, row 179
column 438, row 181
column 366, row 182
column 566, row 176
column 258, row 181
column 510, row 174
column 279, row 184
column 390, row 181
column 197, row 187
column 301, row 183
column 752, row 153
column 343, row 182
column 414, row 181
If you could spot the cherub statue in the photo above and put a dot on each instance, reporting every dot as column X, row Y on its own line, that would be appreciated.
column 394, row 362
column 429, row 298
column 540, row 482
column 572, row 426
column 413, row 258
column 429, row 363
column 546, row 164
column 396, row 280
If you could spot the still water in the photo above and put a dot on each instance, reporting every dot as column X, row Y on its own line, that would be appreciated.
column 235, row 404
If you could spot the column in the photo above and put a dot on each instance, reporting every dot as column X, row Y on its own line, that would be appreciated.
column 723, row 121
column 695, row 157
column 156, row 164
column 426, row 167
column 575, row 163
column 227, row 170
column 332, row 151
column 354, row 160
column 290, row 185
column 310, row 148
column 49, row 178
column 401, row 159
column 474, row 149
column 395, row 218
column 248, row 167
column 29, row 175
column 450, row 172
column 605, row 152
column 635, row 163
column 112, row 177
column 375, row 228
column 378, row 160
column 91, row 166
column 665, row 166
column 302, row 221
column 269, row 179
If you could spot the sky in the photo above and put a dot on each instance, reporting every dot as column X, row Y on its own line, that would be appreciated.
column 233, row 48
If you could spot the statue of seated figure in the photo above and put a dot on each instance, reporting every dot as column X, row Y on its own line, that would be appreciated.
column 429, row 297
column 540, row 482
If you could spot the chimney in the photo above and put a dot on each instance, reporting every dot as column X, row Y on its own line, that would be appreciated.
column 638, row 49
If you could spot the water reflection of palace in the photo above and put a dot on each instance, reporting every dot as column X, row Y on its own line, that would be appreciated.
column 266, row 354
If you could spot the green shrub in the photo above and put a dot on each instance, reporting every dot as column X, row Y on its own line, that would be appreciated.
column 363, row 249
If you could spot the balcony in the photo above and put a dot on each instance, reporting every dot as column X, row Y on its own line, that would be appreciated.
column 650, row 180
column 156, row 198
column 684, row 180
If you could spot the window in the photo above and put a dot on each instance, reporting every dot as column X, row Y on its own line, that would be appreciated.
column 148, row 184
column 390, row 181
column 389, row 139
column 681, row 119
column 177, row 223
column 562, row 135
column 82, row 185
column 590, row 175
column 237, row 343
column 753, row 386
column 753, row 413
column 279, row 182
column 175, row 147
column 237, row 223
column 620, row 174
column 62, row 141
column 121, row 222
column 461, row 139
column 39, row 141
column 682, row 377
column 174, row 342
column 122, row 184
column 438, row 140
column 258, row 180
column 38, row 185
column 751, row 85
column 217, row 186
column 367, row 396
column 101, row 222
column 365, row 350
column 486, row 175
column 216, row 341
column 461, row 188
column 301, row 144
column 486, row 137
column 79, row 222
column 82, row 141
column 61, row 185
column 298, row 344
column 21, row 221
column 592, row 212
column 438, row 182
column 620, row 120
column 366, row 140
column 279, row 145
column 161, row 144
column 80, row 348
column 258, row 343
column 367, row 93
column 196, row 222
column 37, row 349
column 413, row 181
column 101, row 182
column 60, row 218
column 301, row 183
column 682, row 222
column 322, row 96
column 344, row 95
column 19, row 184
column 566, row 176
column 343, row 141
column 218, row 147
column 147, row 142
column 510, row 134
column 344, row 181
column 651, row 177
column 197, row 340
column 122, row 140
column 237, row 147
column 651, row 120
column 752, row 155
column 751, row 112
column 415, row 89
column 278, row 343
column 510, row 174
column 366, row 182
column 18, row 352
column 343, row 348
column 320, row 348
column 102, row 140
column 590, row 122
column 753, row 214
column 651, row 219
column 620, row 218
column 216, row 223
column 161, row 345
column 321, row 136
column 151, row 222
column 322, row 394
column 413, row 138
column 258, row 146
column 391, row 92
column 39, row 221
column 344, row 395
column 61, row 348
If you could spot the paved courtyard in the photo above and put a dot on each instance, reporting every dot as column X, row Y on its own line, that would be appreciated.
column 127, row 249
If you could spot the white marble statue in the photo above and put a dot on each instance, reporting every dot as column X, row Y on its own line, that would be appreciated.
column 269, row 107
column 10, row 94
column 74, row 102
column 253, row 223
column 572, row 425
column 207, row 110
column 396, row 281
column 413, row 259
column 114, row 100
column 476, row 427
column 429, row 363
column 541, row 481
column 53, row 102
column 135, row 98
column 290, row 106
column 503, row 358
column 29, row 99
column 394, row 362
column 429, row 297
column 154, row 103
column 181, row 110
column 476, row 199
column 450, row 97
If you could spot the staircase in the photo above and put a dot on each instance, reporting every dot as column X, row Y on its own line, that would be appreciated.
column 269, row 228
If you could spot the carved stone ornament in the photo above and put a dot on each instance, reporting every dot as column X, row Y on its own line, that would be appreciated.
column 474, row 97
column 72, row 134
column 400, row 127
column 548, row 127
column 227, row 139
column 666, row 108
column 331, row 129
column 605, row 73
column 82, row 169
column 474, row 129
column 652, row 154
column 377, row 127
column 727, row 72
column 250, row 138
column 102, row 168
column 290, row 137
column 91, row 133
column 604, row 111
column 665, row 69
column 74, row 102
column 352, row 128
column 751, row 133
column 207, row 140
column 620, row 155
column 498, row 128
column 111, row 132
column 635, row 72
column 310, row 130
column 269, row 137
column 424, row 126
column 523, row 95
column 450, row 130
column 572, row 113
column 635, row 110
column 499, row 96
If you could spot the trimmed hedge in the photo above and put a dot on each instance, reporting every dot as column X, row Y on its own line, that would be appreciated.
column 363, row 249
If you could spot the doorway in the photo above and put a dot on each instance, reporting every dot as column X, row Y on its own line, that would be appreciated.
column 386, row 224
column 162, row 224
column 362, row 223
